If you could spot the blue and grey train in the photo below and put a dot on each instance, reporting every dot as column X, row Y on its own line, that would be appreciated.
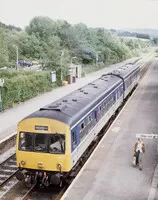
column 51, row 140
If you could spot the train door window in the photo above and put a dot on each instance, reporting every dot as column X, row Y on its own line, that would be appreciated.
column 104, row 104
column 74, row 138
column 95, row 115
column 89, row 118
column 120, row 90
column 86, row 121
column 112, row 100
column 109, row 102
column 114, row 97
column 118, row 93
column 117, row 96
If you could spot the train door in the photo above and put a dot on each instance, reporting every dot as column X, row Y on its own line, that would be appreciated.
column 74, row 145
column 100, row 112
column 74, row 138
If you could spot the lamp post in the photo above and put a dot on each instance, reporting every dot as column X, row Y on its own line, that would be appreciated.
column 1, row 85
column 17, row 55
column 61, row 63
column 97, row 57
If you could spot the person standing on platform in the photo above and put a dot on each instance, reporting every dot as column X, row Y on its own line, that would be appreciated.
column 139, row 149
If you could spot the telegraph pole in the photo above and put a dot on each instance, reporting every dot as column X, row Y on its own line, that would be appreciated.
column 1, row 85
column 17, row 55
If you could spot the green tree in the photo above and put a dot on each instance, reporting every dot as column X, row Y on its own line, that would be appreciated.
column 4, row 59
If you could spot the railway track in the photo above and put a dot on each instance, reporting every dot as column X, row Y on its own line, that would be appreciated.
column 26, row 196
column 8, row 169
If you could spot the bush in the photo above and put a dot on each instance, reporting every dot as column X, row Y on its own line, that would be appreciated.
column 21, row 86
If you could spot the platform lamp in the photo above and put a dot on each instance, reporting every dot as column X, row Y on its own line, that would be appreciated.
column 1, row 86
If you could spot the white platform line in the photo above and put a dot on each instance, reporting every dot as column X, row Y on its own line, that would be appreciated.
column 8, row 137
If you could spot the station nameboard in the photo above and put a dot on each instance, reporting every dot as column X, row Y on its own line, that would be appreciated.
column 147, row 136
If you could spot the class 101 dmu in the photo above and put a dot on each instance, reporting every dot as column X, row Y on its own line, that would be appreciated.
column 51, row 141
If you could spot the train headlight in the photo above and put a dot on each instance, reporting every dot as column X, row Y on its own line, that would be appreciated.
column 59, row 166
column 23, row 162
column 40, row 165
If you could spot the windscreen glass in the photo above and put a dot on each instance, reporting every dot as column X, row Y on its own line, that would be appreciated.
column 46, row 143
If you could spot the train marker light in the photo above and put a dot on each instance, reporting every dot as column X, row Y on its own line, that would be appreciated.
column 23, row 162
column 59, row 166
column 40, row 165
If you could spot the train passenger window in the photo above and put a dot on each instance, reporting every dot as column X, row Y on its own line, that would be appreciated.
column 118, row 93
column 40, row 142
column 25, row 142
column 104, row 104
column 82, row 126
column 86, row 121
column 74, row 138
column 100, row 108
column 57, row 144
column 95, row 115
column 90, row 118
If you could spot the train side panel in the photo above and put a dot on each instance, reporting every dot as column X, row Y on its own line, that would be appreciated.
column 100, row 116
column 98, row 122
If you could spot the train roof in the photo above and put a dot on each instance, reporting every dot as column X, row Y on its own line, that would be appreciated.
column 72, row 107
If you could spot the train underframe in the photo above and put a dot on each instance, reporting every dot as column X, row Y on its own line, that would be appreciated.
column 42, row 178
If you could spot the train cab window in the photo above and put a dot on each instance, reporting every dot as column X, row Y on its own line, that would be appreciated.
column 25, row 142
column 57, row 144
column 40, row 142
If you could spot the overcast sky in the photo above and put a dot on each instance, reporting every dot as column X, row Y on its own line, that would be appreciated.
column 94, row 13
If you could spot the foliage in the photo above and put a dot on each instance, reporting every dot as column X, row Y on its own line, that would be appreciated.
column 10, row 27
column 20, row 86
column 3, row 49
column 55, row 44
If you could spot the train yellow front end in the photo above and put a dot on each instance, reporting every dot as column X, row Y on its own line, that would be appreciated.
column 43, row 150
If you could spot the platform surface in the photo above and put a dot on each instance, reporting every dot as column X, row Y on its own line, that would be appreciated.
column 109, row 173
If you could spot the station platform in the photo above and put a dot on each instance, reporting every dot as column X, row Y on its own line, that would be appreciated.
column 109, row 173
column 10, row 118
